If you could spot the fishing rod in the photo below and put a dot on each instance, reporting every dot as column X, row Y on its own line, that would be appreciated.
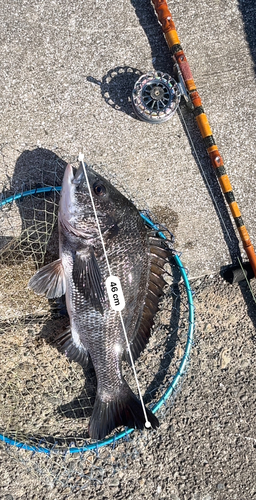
column 156, row 97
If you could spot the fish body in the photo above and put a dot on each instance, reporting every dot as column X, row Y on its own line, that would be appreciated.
column 137, row 257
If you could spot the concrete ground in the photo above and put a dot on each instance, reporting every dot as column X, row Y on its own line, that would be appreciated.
column 66, row 84
column 67, row 73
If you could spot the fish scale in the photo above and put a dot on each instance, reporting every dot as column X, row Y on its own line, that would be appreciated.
column 137, row 258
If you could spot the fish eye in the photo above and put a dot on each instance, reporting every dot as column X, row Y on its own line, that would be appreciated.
column 99, row 189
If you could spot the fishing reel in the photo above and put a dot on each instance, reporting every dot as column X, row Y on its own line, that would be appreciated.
column 156, row 96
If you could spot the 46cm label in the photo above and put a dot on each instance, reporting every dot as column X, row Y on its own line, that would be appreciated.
column 115, row 293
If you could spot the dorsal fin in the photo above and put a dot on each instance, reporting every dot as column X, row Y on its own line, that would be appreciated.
column 159, row 256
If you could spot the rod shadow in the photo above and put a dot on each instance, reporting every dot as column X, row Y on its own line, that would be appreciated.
column 145, row 12
column 116, row 89
column 248, row 11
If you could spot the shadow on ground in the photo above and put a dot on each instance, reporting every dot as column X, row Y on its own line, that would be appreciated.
column 161, row 60
column 116, row 87
column 248, row 11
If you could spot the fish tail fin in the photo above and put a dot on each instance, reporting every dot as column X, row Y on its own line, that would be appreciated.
column 125, row 410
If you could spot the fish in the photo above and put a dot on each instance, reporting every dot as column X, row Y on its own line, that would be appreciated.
column 137, row 256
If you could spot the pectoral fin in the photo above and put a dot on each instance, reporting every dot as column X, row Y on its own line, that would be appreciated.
column 87, row 277
column 49, row 280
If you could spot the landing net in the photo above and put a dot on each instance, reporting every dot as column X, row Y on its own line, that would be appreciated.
column 45, row 400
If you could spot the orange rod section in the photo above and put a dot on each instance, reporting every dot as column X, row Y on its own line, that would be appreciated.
column 203, row 125
column 244, row 234
column 235, row 209
column 211, row 149
column 225, row 183
column 172, row 38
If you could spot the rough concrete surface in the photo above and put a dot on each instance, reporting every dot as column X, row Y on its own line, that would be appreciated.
column 67, row 72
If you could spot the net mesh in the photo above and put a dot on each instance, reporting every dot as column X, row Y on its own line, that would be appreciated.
column 45, row 400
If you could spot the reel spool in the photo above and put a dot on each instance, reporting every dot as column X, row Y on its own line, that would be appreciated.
column 155, row 97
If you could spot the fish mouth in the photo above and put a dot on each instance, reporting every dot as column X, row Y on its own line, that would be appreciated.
column 68, row 174
column 74, row 170
column 78, row 175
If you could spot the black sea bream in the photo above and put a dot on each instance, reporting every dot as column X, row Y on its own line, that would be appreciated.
column 137, row 256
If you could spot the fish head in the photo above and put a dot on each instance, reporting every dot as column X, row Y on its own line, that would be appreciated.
column 81, row 197
column 67, row 197
column 69, row 210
